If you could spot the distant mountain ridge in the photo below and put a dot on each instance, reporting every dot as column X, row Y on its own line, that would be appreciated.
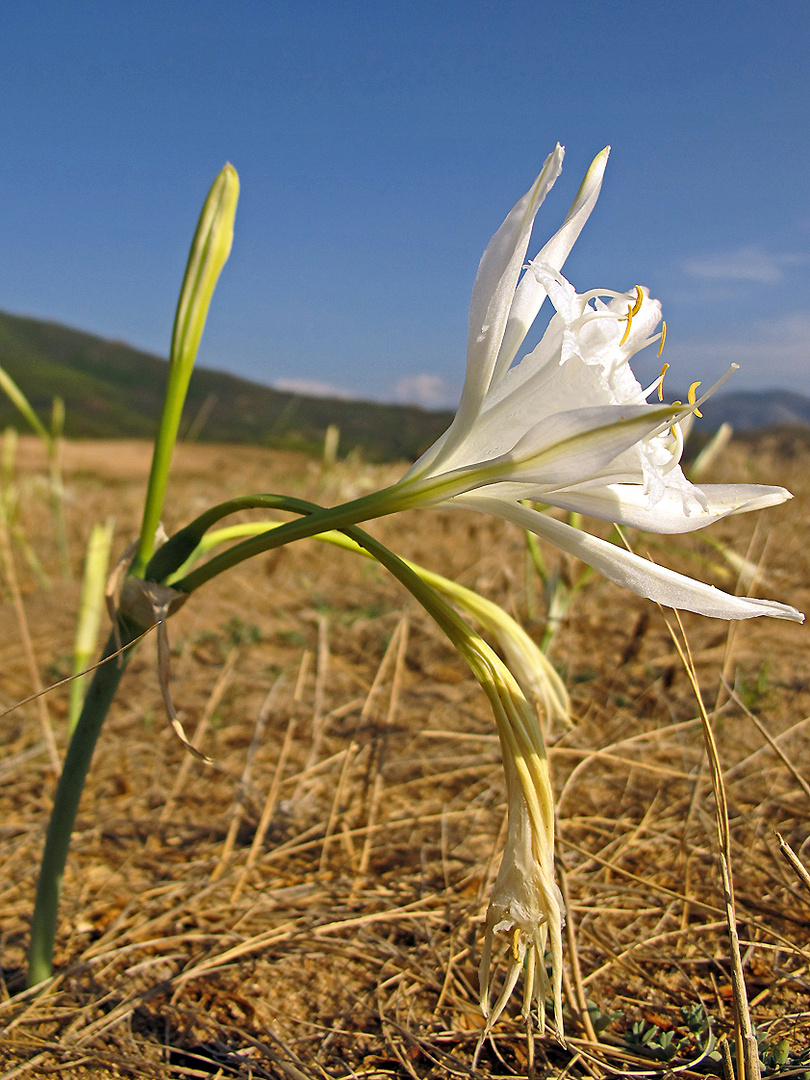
column 112, row 390
column 748, row 410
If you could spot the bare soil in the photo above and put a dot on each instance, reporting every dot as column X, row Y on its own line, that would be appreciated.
column 312, row 904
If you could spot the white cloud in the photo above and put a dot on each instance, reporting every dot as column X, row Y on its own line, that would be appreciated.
column 313, row 388
column 744, row 264
column 426, row 389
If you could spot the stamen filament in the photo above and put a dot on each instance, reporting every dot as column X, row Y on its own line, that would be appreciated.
column 664, row 370
column 718, row 384
column 596, row 294
column 589, row 314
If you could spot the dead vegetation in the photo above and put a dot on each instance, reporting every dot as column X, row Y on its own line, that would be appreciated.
column 312, row 905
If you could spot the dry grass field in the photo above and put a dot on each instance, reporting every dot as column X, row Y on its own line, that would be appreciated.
column 312, row 905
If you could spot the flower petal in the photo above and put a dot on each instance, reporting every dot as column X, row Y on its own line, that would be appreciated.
column 627, row 504
column 630, row 570
column 581, row 443
column 497, row 278
column 530, row 292
column 493, row 293
column 556, row 453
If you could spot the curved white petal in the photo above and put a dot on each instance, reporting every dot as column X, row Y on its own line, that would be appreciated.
column 627, row 504
column 497, row 278
column 530, row 293
column 630, row 570
column 556, row 250
column 493, row 293
column 530, row 394
column 582, row 443
column 554, row 454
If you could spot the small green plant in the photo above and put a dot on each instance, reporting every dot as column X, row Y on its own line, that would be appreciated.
column 690, row 1039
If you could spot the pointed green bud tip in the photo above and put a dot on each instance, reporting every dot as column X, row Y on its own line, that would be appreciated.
column 209, row 253
column 210, row 249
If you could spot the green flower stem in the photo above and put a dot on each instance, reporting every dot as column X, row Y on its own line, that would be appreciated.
column 108, row 675
column 57, row 485
column 317, row 520
column 209, row 253
column 403, row 495
column 99, row 697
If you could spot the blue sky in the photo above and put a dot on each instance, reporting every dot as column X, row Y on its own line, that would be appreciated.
column 379, row 146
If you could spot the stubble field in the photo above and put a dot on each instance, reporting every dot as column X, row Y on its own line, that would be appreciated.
column 312, row 904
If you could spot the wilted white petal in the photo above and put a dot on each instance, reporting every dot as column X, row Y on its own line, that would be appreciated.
column 526, row 906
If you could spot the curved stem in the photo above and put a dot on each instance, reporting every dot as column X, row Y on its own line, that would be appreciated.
column 99, row 697
column 313, row 521
column 316, row 520
column 108, row 676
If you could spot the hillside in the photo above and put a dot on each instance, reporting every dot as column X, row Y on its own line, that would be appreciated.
column 111, row 390
column 748, row 410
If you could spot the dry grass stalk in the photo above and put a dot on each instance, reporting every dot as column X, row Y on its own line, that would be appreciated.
column 794, row 861
column 401, row 638
column 170, row 969
column 272, row 794
column 223, row 682
column 22, row 625
column 238, row 811
column 747, row 1051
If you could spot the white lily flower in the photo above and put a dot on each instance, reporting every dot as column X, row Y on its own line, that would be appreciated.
column 570, row 425
column 526, row 905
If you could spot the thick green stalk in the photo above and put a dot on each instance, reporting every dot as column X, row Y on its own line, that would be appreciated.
column 66, row 804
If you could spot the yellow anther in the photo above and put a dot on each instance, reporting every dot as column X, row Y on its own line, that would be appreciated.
column 629, row 317
column 663, row 339
column 632, row 311
column 691, row 396
column 516, row 944
column 664, row 370
column 672, row 431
